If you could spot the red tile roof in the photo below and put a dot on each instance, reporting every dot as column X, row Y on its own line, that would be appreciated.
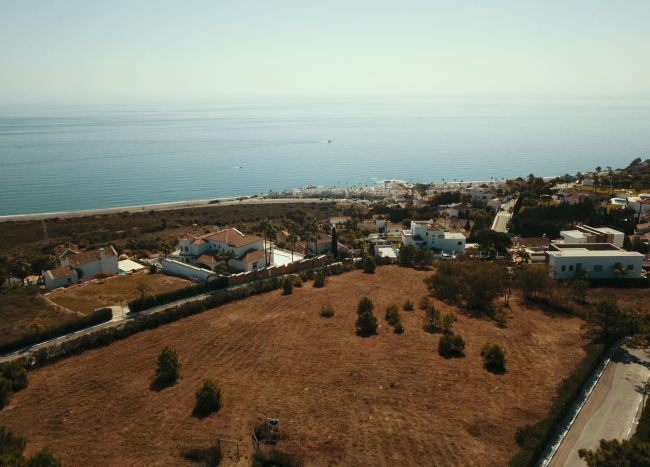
column 59, row 250
column 232, row 236
column 187, row 237
column 199, row 241
column 251, row 255
column 208, row 259
column 61, row 272
column 89, row 256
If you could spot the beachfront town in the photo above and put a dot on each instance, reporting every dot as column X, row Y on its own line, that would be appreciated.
column 470, row 218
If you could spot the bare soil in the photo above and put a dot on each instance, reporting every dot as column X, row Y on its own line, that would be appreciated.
column 113, row 291
column 384, row 400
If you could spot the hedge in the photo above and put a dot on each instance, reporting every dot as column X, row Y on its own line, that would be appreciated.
column 98, row 316
column 540, row 434
column 643, row 428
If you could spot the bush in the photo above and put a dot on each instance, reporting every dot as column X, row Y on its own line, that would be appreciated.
column 500, row 316
column 5, row 391
column 31, row 338
column 408, row 305
column 319, row 279
column 327, row 311
column 180, row 294
column 297, row 281
column 169, row 365
column 287, row 285
column 451, row 345
column 431, row 318
column 392, row 315
column 366, row 323
column 425, row 302
column 399, row 329
column 11, row 452
column 208, row 397
column 365, row 304
column 16, row 373
column 275, row 459
column 44, row 458
column 208, row 457
column 369, row 265
column 494, row 356
column 448, row 320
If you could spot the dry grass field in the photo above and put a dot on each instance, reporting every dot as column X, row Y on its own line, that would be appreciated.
column 384, row 400
column 90, row 296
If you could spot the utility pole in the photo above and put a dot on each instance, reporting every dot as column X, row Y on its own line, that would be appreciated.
column 46, row 241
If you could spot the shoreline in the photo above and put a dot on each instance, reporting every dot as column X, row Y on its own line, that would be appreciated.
column 205, row 203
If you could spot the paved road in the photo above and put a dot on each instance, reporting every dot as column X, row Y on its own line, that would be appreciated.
column 611, row 410
column 502, row 218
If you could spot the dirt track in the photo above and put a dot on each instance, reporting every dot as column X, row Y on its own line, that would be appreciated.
column 275, row 357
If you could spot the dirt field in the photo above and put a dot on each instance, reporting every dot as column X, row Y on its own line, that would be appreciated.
column 88, row 297
column 633, row 300
column 20, row 306
column 274, row 356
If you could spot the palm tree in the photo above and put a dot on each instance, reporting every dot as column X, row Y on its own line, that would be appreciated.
column 292, row 238
column 226, row 256
column 144, row 289
column 265, row 224
column 36, row 326
column 165, row 249
column 523, row 255
column 444, row 215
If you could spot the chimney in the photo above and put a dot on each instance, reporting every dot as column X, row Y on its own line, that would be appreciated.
column 215, row 228
column 102, row 254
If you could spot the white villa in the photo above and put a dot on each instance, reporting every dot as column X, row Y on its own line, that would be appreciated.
column 200, row 251
column 599, row 260
column 483, row 192
column 586, row 234
column 427, row 235
column 88, row 262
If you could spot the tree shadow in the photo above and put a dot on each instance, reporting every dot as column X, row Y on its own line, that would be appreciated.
column 158, row 386
column 624, row 357
column 431, row 329
column 366, row 334
column 495, row 370
column 199, row 414
column 449, row 356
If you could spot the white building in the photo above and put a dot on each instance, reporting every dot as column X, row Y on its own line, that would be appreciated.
column 201, row 251
column 598, row 260
column 427, row 235
column 59, row 277
column 456, row 210
column 586, row 234
column 483, row 192
column 93, row 262
column 386, row 250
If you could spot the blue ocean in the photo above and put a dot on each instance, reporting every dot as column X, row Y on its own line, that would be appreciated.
column 60, row 158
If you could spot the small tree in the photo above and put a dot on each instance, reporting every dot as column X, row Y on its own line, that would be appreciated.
column 399, row 329
column 36, row 327
column 425, row 302
column 366, row 323
column 5, row 391
column 418, row 258
column 579, row 289
column 431, row 318
column 448, row 321
column 392, row 315
column 319, row 279
column 17, row 374
column 500, row 316
column 297, row 281
column 365, row 304
column 44, row 458
column 208, row 397
column 494, row 356
column 287, row 285
column 327, row 311
column 451, row 345
column 369, row 265
column 169, row 365
column 408, row 305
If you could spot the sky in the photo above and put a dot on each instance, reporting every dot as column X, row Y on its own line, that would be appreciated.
column 91, row 51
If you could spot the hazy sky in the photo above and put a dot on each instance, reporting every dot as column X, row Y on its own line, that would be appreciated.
column 90, row 51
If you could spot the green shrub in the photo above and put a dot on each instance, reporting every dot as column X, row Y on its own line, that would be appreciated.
column 451, row 345
column 448, row 320
column 500, row 316
column 319, row 279
column 208, row 397
column 11, row 452
column 431, row 318
column 44, row 458
column 275, row 459
column 392, row 315
column 425, row 302
column 287, row 285
column 494, row 356
column 365, row 304
column 16, row 373
column 5, row 392
column 399, row 329
column 169, row 365
column 366, row 323
column 297, row 281
column 327, row 311
column 369, row 265
column 408, row 305
column 208, row 457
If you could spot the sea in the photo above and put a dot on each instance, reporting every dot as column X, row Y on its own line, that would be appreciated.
column 61, row 158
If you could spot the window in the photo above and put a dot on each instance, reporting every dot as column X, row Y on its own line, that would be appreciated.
column 187, row 249
column 630, row 267
column 460, row 243
column 598, row 268
column 441, row 236
column 571, row 268
column 563, row 268
column 427, row 234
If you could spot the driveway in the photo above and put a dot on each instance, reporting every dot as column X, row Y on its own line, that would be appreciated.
column 502, row 218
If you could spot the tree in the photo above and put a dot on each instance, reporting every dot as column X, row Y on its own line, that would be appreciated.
column 5, row 392
column 492, row 239
column 406, row 254
column 365, row 304
column 408, row 305
column 169, row 366
column 335, row 241
column 44, row 458
column 494, row 356
column 606, row 321
column 425, row 302
column 392, row 315
column 418, row 258
column 319, row 279
column 500, row 316
column 327, row 311
column 209, row 397
column 17, row 374
column 43, row 263
column 369, row 265
column 287, row 285
column 165, row 249
column 4, row 276
column 292, row 238
column 366, row 323
column 145, row 290
column 20, row 268
column 264, row 226
column 532, row 279
column 226, row 256
column 451, row 345
column 615, row 453
column 36, row 327
column 431, row 318
column 448, row 321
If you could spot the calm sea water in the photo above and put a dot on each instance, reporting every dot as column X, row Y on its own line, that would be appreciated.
column 69, row 158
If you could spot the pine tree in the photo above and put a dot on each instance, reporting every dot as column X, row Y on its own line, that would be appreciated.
column 335, row 241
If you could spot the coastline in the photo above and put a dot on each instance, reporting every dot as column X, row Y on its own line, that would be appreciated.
column 206, row 203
